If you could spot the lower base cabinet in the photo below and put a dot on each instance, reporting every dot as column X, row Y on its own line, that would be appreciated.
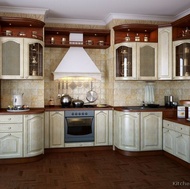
column 21, row 135
column 176, row 140
column 138, row 131
column 56, row 129
column 33, row 135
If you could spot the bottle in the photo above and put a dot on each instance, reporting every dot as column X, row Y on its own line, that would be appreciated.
column 51, row 102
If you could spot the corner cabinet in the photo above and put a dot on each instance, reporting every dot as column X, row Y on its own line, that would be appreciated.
column 22, row 58
column 33, row 135
column 136, row 49
column 126, row 130
column 138, row 131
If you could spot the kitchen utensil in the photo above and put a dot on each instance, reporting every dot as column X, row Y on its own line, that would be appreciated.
column 91, row 95
column 59, row 92
column 66, row 100
column 77, row 103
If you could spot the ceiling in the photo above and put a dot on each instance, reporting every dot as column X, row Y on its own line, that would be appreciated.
column 100, row 11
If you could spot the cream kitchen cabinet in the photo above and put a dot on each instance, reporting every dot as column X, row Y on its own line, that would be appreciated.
column 33, row 134
column 103, row 127
column 177, row 142
column 138, row 131
column 56, row 129
column 168, row 137
column 165, row 53
column 127, row 130
column 151, row 131
column 11, row 138
column 147, row 61
column 132, row 60
column 181, row 59
column 21, row 58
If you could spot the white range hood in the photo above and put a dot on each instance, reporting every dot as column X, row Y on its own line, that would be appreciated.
column 76, row 62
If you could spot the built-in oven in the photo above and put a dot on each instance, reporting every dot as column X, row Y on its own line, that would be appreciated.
column 79, row 126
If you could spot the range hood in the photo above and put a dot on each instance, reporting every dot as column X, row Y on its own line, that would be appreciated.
column 76, row 62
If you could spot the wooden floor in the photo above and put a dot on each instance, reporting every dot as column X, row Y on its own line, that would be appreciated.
column 95, row 170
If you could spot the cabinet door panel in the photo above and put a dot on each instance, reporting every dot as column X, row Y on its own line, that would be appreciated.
column 151, row 131
column 12, row 58
column 56, row 129
column 182, row 146
column 101, row 128
column 10, row 145
column 34, row 135
column 168, row 140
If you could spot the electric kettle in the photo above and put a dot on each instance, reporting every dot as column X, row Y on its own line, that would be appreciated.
column 17, row 100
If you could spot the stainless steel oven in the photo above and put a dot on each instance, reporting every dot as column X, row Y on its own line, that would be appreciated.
column 79, row 126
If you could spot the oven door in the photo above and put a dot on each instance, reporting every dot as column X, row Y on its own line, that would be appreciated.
column 79, row 129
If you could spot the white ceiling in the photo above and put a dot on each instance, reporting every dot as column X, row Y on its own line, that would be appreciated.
column 101, row 11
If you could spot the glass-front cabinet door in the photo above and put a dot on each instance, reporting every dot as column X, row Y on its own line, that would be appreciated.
column 11, row 51
column 125, row 61
column 21, row 58
column 147, row 61
column 181, row 59
column 33, row 60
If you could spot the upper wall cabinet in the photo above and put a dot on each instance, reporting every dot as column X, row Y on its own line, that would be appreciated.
column 165, row 53
column 21, row 48
column 181, row 48
column 92, row 38
column 135, row 50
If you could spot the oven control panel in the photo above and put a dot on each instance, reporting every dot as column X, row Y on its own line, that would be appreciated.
column 79, row 113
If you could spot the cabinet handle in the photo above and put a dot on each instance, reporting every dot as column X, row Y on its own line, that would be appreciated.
column 9, row 119
column 9, row 128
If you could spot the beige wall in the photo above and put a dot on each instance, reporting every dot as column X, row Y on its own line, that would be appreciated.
column 37, row 93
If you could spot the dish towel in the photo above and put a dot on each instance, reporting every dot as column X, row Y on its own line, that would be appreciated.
column 149, row 93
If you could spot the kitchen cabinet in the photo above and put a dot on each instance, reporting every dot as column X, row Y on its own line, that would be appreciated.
column 177, row 142
column 132, row 60
column 165, row 53
column 127, row 130
column 33, row 134
column 101, row 128
column 147, row 58
column 56, row 129
column 11, row 138
column 92, row 38
column 168, row 137
column 22, row 58
column 151, row 131
column 138, row 131
column 181, row 59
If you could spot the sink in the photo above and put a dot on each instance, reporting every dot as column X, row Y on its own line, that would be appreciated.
column 134, row 107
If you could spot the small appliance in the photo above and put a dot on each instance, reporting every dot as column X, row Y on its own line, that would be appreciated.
column 17, row 100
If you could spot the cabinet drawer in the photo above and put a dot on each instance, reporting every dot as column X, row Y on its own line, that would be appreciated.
column 10, row 127
column 182, row 129
column 10, row 118
column 168, row 125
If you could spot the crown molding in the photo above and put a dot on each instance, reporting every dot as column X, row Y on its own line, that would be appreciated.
column 182, row 14
column 24, row 10
column 113, row 16
column 74, row 21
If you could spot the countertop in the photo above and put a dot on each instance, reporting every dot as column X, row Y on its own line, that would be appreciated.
column 93, row 107
column 3, row 111
column 182, row 121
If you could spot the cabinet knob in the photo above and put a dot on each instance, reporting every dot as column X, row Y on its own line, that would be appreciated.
column 9, row 119
column 9, row 128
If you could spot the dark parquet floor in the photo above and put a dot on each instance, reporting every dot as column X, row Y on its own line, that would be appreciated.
column 95, row 170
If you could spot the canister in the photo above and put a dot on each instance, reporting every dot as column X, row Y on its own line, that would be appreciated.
column 181, row 111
